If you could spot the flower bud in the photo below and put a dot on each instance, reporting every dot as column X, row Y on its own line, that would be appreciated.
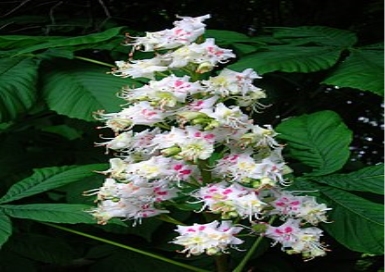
column 204, row 67
column 190, row 115
column 171, row 151
column 260, row 228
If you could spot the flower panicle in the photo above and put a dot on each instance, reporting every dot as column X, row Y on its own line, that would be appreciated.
column 184, row 117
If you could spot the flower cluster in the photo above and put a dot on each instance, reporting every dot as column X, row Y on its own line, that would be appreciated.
column 186, row 137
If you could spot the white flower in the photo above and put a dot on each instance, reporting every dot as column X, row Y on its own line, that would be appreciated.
column 230, row 201
column 301, row 207
column 121, row 141
column 230, row 83
column 260, row 137
column 249, row 206
column 202, row 53
column 145, row 68
column 169, row 138
column 185, row 31
column 296, row 240
column 212, row 238
column 143, row 113
column 124, row 209
column 154, row 168
column 312, row 212
column 194, row 149
column 228, row 117
column 207, row 103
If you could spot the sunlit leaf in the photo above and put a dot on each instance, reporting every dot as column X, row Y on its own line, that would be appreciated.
column 78, row 90
column 287, row 58
column 320, row 140
column 8, row 42
column 226, row 37
column 368, row 179
column 46, row 179
column 18, row 78
column 362, row 69
column 51, row 212
column 72, row 41
column 316, row 34
column 357, row 223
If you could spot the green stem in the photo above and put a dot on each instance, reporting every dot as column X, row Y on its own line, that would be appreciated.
column 221, row 263
column 191, row 268
column 251, row 251
column 169, row 219
column 94, row 61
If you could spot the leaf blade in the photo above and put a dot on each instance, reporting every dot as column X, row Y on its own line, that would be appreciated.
column 18, row 77
column 286, row 58
column 369, row 179
column 73, row 41
column 319, row 140
column 6, row 228
column 357, row 222
column 87, row 87
column 48, row 178
column 316, row 34
column 363, row 70
column 51, row 212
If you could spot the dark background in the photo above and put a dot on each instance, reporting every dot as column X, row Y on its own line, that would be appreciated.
column 247, row 16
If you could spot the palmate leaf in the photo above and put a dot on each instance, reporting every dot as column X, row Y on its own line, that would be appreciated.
column 369, row 179
column 316, row 34
column 72, row 41
column 226, row 37
column 362, row 69
column 320, row 140
column 51, row 212
column 18, row 77
column 356, row 222
column 78, row 90
column 8, row 42
column 46, row 179
column 5, row 228
column 287, row 58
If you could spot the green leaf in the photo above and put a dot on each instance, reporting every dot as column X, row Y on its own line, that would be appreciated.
column 357, row 223
column 73, row 41
column 51, row 212
column 5, row 229
column 362, row 69
column 369, row 179
column 316, row 34
column 78, row 90
column 243, row 49
column 288, row 58
column 8, row 42
column 46, row 179
column 18, row 77
column 320, row 140
column 227, row 37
